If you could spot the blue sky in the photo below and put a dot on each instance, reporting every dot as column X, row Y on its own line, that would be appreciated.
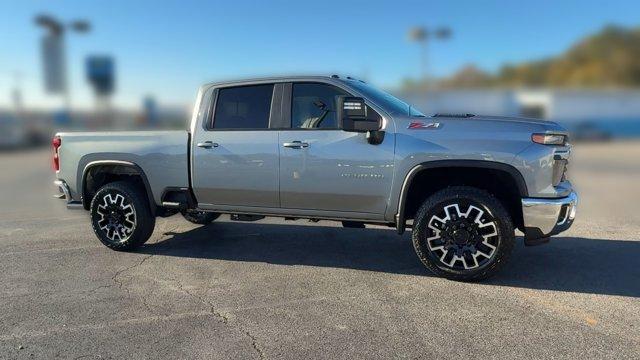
column 168, row 48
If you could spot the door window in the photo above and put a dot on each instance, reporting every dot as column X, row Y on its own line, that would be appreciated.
column 244, row 107
column 313, row 106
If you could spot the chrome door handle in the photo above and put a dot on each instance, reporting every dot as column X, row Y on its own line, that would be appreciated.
column 207, row 144
column 296, row 144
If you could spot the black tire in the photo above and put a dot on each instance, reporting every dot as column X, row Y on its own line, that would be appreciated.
column 460, row 247
column 200, row 217
column 118, row 226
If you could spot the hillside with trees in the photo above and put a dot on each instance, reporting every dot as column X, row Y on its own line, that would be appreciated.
column 609, row 58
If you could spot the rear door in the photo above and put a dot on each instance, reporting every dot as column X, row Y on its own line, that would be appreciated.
column 235, row 156
column 325, row 168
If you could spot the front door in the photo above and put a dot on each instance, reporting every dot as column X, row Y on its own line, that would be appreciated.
column 235, row 159
column 325, row 168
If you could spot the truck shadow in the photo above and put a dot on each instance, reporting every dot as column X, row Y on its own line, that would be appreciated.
column 583, row 265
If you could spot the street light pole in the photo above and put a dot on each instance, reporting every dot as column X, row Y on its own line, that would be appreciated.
column 55, row 64
column 17, row 92
column 423, row 59
column 421, row 35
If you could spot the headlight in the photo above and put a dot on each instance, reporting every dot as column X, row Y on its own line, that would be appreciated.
column 549, row 139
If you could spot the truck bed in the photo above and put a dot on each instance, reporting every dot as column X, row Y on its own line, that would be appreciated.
column 162, row 155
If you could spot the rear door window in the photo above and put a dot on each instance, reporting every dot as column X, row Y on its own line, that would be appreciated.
column 243, row 107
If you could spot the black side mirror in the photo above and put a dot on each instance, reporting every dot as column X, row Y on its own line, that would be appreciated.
column 355, row 116
column 352, row 115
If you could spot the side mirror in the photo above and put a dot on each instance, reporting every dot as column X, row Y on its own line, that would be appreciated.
column 352, row 115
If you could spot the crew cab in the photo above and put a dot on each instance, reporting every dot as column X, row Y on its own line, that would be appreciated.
column 329, row 147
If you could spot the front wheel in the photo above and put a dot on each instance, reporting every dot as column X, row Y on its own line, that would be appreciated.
column 463, row 233
column 120, row 216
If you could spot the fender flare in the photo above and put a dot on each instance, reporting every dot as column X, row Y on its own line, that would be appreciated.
column 83, row 183
column 481, row 164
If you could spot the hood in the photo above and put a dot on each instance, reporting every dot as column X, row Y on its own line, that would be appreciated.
column 484, row 120
column 549, row 126
column 547, row 123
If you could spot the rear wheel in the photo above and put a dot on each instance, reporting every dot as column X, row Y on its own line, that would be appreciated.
column 120, row 216
column 463, row 233
column 199, row 217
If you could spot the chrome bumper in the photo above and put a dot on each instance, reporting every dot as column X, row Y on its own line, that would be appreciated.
column 546, row 217
column 65, row 194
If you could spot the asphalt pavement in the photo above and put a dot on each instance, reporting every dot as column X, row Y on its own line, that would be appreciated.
column 300, row 290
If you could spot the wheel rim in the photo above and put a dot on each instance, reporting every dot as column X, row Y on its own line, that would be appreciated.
column 462, row 235
column 117, row 217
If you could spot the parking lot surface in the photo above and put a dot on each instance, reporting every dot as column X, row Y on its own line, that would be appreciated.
column 295, row 289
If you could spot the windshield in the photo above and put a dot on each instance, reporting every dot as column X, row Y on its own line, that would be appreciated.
column 389, row 102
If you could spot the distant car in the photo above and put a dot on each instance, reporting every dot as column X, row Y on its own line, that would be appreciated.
column 12, row 132
column 330, row 148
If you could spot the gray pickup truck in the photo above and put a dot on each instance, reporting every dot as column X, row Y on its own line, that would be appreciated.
column 330, row 148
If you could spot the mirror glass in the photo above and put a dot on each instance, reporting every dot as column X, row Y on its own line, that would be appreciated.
column 356, row 116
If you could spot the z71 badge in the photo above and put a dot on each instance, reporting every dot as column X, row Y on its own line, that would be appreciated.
column 419, row 125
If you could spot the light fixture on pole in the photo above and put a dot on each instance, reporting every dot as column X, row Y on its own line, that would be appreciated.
column 421, row 35
column 53, row 54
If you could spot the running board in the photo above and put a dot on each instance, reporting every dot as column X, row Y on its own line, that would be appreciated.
column 174, row 205
column 245, row 217
column 536, row 242
column 177, row 198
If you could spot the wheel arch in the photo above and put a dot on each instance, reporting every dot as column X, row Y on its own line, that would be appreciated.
column 115, row 169
column 518, row 183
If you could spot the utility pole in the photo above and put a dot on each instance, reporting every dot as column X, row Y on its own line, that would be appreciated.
column 53, row 54
column 421, row 35
column 16, row 94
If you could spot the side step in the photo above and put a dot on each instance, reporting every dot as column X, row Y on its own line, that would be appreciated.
column 353, row 224
column 177, row 199
column 536, row 242
column 174, row 205
column 245, row 217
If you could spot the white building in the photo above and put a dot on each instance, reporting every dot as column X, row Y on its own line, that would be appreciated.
column 617, row 111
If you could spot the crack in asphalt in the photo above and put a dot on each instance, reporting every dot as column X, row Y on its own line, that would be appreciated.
column 116, row 278
column 98, row 288
column 122, row 271
column 254, row 344
column 224, row 319
column 120, row 284
column 102, row 325
column 118, row 273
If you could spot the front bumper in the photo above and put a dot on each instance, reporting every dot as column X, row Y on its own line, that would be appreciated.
column 546, row 217
column 65, row 194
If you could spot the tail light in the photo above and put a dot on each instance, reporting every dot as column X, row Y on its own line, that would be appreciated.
column 56, row 142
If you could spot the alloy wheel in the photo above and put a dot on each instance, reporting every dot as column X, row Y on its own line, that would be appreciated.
column 462, row 235
column 117, row 217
